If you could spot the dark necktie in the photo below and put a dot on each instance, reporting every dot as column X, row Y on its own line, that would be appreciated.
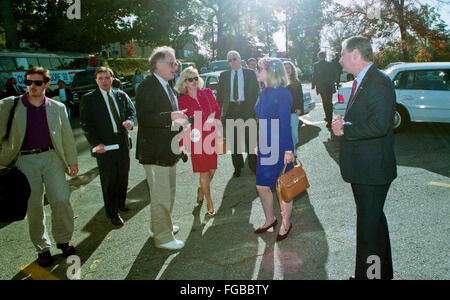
column 172, row 98
column 235, row 86
column 115, row 114
column 350, row 100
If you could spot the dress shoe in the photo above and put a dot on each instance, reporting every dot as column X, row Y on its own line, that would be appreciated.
column 282, row 237
column 173, row 245
column 175, row 231
column 117, row 220
column 264, row 229
column 352, row 278
column 68, row 249
column 237, row 173
column 45, row 259
column 124, row 208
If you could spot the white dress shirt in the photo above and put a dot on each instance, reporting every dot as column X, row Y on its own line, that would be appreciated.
column 105, row 98
column 241, row 92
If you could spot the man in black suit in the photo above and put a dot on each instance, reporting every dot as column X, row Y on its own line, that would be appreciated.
column 367, row 158
column 158, row 145
column 65, row 96
column 323, row 79
column 237, row 94
column 106, row 116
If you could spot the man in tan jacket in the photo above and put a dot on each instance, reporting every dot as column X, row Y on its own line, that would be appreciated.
column 42, row 141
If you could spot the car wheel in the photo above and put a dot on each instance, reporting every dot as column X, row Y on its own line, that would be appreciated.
column 401, row 118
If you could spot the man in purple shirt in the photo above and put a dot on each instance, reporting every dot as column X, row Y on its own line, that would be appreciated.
column 42, row 141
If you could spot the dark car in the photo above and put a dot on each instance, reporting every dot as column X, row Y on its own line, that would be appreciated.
column 83, row 82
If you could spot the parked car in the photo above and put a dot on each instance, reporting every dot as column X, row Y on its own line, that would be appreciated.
column 219, row 65
column 211, row 81
column 422, row 90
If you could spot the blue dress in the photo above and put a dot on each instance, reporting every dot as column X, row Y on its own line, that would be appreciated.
column 273, row 110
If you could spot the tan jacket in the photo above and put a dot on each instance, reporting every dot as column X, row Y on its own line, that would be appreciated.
column 58, row 123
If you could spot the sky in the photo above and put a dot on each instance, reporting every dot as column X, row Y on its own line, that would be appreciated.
column 443, row 9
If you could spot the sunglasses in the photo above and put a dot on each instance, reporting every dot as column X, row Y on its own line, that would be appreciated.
column 232, row 59
column 29, row 82
column 192, row 79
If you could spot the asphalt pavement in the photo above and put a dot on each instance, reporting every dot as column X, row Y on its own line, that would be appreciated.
column 321, row 244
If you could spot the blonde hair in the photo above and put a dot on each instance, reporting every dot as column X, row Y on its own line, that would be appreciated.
column 180, row 87
column 276, row 72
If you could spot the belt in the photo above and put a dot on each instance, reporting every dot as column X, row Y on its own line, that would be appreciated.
column 236, row 102
column 35, row 151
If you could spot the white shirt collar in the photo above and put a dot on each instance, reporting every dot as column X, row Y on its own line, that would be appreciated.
column 361, row 74
column 161, row 80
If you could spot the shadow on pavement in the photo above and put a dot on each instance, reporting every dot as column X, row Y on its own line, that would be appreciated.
column 225, row 248
column 99, row 227
column 82, row 180
column 420, row 145
column 307, row 133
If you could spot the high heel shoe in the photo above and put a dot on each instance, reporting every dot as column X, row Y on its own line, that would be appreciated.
column 200, row 199
column 211, row 214
column 264, row 229
column 282, row 237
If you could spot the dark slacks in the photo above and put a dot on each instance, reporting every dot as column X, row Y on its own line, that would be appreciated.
column 372, row 233
column 327, row 105
column 236, row 156
column 114, row 167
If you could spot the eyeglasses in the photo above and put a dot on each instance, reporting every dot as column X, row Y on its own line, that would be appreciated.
column 172, row 64
column 232, row 59
column 29, row 82
column 192, row 79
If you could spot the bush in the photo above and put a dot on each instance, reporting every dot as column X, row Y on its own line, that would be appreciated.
column 128, row 66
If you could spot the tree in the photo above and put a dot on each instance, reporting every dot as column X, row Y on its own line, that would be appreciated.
column 9, row 24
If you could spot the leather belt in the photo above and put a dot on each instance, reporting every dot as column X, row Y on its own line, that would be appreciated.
column 35, row 151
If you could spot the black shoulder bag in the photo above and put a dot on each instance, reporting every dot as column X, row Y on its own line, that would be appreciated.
column 14, row 187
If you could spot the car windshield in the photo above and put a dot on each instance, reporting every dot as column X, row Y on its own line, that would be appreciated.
column 219, row 65
column 83, row 78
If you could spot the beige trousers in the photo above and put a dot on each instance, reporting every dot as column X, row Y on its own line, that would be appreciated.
column 47, row 169
column 162, row 185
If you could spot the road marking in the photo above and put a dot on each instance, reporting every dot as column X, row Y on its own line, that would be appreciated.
column 439, row 184
column 35, row 272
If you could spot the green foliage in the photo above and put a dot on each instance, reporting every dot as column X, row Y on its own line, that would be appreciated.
column 128, row 66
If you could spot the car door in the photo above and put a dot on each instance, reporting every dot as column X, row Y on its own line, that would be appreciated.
column 426, row 94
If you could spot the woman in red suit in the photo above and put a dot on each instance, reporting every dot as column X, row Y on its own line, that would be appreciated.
column 200, row 140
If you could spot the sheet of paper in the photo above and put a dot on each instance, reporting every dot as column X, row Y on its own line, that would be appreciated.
column 109, row 147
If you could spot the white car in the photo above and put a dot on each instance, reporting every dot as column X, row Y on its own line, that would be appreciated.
column 422, row 90
column 211, row 81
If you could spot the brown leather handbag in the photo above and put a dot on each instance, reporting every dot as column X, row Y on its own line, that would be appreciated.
column 291, row 184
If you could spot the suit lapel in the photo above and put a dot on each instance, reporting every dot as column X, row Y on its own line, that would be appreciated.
column 360, row 88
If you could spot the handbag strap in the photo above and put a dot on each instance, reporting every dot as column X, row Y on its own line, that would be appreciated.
column 209, row 103
column 285, row 165
column 11, row 117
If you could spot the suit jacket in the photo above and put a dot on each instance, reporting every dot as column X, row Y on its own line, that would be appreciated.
column 58, row 123
column 155, row 135
column 367, row 146
column 96, row 121
column 324, row 77
column 251, row 91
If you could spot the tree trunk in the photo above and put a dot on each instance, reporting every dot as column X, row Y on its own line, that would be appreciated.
column 9, row 24
column 399, row 6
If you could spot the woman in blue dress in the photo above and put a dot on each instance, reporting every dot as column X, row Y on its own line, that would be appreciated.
column 275, row 145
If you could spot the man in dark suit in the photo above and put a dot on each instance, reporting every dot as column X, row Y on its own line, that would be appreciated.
column 158, row 145
column 367, row 158
column 323, row 79
column 237, row 94
column 65, row 96
column 12, row 88
column 106, row 116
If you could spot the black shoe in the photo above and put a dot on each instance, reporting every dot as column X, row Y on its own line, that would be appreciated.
column 264, row 229
column 237, row 173
column 124, row 208
column 45, row 259
column 117, row 220
column 282, row 237
column 68, row 249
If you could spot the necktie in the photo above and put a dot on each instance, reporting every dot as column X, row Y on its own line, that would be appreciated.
column 235, row 86
column 172, row 98
column 355, row 84
column 115, row 114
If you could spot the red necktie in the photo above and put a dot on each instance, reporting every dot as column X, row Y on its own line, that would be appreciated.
column 355, row 84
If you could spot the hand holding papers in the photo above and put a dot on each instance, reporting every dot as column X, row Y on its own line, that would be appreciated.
column 102, row 148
